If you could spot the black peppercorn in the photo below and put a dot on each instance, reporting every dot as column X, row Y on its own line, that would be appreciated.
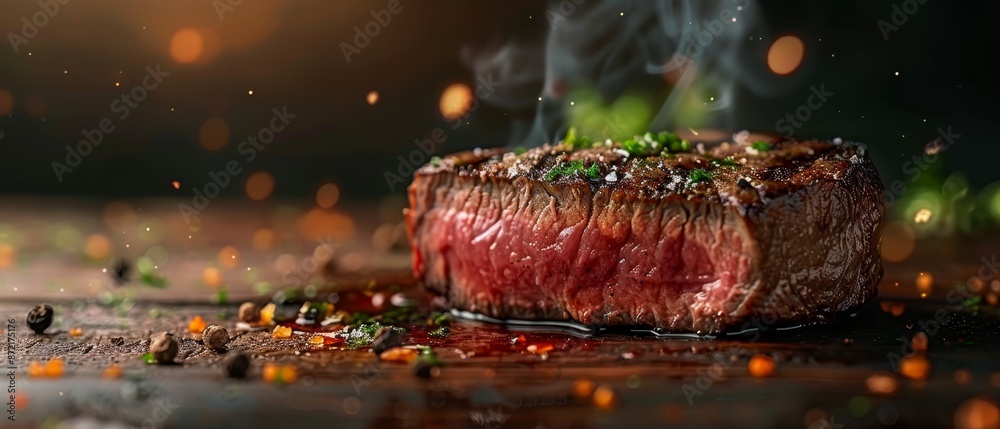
column 164, row 349
column 237, row 365
column 40, row 318
column 249, row 312
column 744, row 184
column 387, row 338
column 424, row 368
column 215, row 337
column 122, row 272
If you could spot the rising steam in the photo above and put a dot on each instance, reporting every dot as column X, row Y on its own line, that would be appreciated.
column 613, row 69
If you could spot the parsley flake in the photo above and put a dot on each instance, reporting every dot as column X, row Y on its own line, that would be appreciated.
column 698, row 175
column 565, row 169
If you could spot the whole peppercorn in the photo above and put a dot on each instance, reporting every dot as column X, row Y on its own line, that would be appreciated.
column 249, row 312
column 215, row 337
column 237, row 365
column 426, row 369
column 121, row 273
column 387, row 338
column 164, row 349
column 40, row 318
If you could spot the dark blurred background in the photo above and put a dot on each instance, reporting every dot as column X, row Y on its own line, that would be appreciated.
column 229, row 65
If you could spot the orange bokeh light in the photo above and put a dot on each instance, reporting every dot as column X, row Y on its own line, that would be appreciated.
column 327, row 195
column 898, row 241
column 260, row 185
column 264, row 239
column 372, row 97
column 322, row 223
column 229, row 257
column 785, row 54
column 36, row 105
column 97, row 247
column 214, row 134
column 455, row 100
column 980, row 412
column 6, row 102
column 187, row 45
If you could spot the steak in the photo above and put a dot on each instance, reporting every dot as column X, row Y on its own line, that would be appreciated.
column 651, row 232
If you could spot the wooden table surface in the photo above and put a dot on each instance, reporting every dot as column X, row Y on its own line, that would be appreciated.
column 828, row 376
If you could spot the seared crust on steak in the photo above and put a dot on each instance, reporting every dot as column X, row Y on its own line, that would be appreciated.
column 788, row 234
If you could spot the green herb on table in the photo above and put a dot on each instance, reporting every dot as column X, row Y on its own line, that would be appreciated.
column 363, row 335
column 761, row 146
column 439, row 332
column 973, row 304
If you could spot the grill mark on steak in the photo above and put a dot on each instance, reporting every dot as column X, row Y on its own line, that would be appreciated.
column 791, row 233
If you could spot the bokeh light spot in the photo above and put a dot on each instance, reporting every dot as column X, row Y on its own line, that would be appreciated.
column 187, row 45
column 6, row 102
column 260, row 185
column 214, row 134
column 230, row 257
column 8, row 255
column 372, row 97
column 322, row 223
column 785, row 55
column 925, row 282
column 455, row 101
column 264, row 239
column 327, row 195
column 898, row 242
column 97, row 247
column 977, row 413
column 211, row 277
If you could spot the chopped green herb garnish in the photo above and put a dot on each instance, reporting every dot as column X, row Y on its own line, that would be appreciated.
column 360, row 318
column 565, row 169
column 761, row 146
column 428, row 355
column 153, row 280
column 973, row 304
column 699, row 174
column 636, row 147
column 519, row 150
column 439, row 332
column 436, row 161
column 725, row 162
column 398, row 315
column 221, row 297
column 663, row 144
column 362, row 335
column 438, row 318
column 572, row 141
column 672, row 142
column 148, row 359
